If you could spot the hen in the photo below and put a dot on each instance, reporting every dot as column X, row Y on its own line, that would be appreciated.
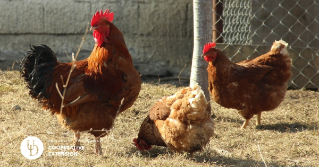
column 97, row 85
column 250, row 86
column 181, row 122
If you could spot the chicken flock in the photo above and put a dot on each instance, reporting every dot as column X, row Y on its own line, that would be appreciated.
column 106, row 84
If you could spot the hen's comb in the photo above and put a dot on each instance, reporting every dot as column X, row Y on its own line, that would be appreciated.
column 99, row 14
column 208, row 46
column 136, row 144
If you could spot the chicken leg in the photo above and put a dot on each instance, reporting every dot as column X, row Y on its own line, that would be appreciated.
column 245, row 124
column 76, row 141
column 258, row 119
column 98, row 149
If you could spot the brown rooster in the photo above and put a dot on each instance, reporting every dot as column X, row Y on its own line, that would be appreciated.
column 97, row 84
column 250, row 86
column 181, row 122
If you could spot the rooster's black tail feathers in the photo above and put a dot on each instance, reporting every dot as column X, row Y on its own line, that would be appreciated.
column 37, row 69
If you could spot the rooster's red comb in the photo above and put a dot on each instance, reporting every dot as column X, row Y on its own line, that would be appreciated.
column 208, row 46
column 99, row 14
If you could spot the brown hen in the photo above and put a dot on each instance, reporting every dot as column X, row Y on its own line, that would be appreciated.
column 250, row 86
column 181, row 122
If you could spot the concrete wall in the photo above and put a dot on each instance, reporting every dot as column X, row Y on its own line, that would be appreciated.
column 158, row 33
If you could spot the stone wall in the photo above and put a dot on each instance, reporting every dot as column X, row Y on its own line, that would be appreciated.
column 158, row 33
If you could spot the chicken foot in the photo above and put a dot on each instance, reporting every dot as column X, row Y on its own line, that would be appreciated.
column 257, row 121
column 98, row 149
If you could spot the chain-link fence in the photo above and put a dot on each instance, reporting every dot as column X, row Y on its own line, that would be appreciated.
column 245, row 29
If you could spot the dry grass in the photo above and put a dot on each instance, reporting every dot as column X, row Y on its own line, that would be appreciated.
column 289, row 135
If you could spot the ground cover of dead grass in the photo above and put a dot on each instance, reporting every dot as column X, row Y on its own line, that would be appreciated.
column 288, row 136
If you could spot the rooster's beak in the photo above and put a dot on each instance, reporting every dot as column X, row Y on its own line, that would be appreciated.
column 202, row 55
column 93, row 28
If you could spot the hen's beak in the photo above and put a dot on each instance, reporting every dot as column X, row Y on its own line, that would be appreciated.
column 202, row 55
column 93, row 28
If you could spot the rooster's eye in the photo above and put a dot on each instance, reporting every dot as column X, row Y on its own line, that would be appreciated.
column 103, row 24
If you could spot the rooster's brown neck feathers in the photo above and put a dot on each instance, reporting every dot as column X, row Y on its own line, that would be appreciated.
column 103, row 56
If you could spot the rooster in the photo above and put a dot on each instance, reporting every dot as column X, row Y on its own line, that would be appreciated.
column 180, row 122
column 101, row 86
column 250, row 86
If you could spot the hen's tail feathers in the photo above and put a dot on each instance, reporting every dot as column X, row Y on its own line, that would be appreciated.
column 37, row 69
column 189, row 105
column 280, row 46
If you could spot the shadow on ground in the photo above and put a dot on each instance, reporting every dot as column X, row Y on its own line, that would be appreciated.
column 228, row 119
column 214, row 158
column 288, row 127
column 176, row 81
column 210, row 157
